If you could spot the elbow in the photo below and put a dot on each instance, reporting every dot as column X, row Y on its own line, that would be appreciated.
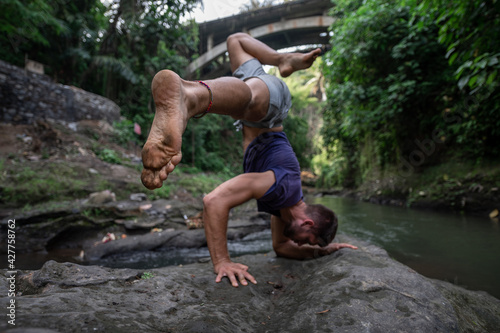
column 213, row 209
column 279, row 250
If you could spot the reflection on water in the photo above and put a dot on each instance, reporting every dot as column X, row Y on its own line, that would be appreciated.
column 460, row 249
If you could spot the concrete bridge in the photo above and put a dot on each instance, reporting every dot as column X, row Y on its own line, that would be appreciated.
column 295, row 23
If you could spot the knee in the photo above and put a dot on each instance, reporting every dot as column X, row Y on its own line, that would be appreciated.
column 236, row 37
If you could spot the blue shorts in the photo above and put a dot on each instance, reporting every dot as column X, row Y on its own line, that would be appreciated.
column 280, row 99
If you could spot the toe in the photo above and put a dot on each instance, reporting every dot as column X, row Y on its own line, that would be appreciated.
column 149, row 179
column 163, row 174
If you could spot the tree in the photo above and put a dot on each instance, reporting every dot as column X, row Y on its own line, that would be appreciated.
column 470, row 30
column 113, row 51
column 385, row 74
column 257, row 4
column 23, row 23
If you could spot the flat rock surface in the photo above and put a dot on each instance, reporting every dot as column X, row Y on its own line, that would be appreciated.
column 349, row 291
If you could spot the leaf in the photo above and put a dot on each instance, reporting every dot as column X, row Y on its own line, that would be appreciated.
column 452, row 58
column 450, row 52
column 491, row 77
column 492, row 61
column 472, row 81
column 482, row 64
column 462, row 68
column 463, row 81
column 481, row 78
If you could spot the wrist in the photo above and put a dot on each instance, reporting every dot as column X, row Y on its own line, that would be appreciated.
column 218, row 262
column 322, row 252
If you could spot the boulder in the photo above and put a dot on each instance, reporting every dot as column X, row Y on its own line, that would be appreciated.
column 349, row 291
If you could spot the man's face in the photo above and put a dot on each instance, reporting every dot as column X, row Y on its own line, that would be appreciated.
column 300, row 235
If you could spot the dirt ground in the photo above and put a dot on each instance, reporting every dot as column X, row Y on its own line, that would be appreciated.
column 65, row 151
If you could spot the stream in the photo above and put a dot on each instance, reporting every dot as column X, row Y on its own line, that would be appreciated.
column 463, row 250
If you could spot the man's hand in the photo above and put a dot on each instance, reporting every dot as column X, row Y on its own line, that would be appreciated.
column 234, row 272
column 332, row 247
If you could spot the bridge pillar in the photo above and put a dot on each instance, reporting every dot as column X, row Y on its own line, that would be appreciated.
column 210, row 42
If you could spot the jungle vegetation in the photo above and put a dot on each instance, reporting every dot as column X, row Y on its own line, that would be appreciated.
column 409, row 83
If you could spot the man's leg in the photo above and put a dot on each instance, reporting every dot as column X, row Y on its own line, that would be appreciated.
column 176, row 101
column 243, row 47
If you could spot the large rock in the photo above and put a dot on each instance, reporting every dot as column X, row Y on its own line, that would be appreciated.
column 350, row 291
column 28, row 96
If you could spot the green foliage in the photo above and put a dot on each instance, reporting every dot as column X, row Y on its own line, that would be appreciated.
column 95, row 213
column 22, row 22
column 329, row 164
column 398, row 71
column 124, row 133
column 301, row 125
column 31, row 185
column 202, row 183
column 113, row 50
column 212, row 144
column 386, row 72
column 163, row 192
column 296, row 129
column 470, row 30
column 108, row 155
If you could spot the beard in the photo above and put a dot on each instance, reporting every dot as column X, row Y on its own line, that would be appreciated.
column 290, row 230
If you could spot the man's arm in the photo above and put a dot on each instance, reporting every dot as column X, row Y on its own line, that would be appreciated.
column 216, row 206
column 285, row 247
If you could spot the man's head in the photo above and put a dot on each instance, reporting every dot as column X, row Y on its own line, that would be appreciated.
column 317, row 226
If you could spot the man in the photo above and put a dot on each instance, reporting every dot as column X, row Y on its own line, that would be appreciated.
column 272, row 173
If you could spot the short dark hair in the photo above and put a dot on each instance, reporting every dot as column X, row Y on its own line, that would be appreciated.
column 325, row 223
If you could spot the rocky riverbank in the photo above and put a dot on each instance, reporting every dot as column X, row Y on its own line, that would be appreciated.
column 101, row 226
column 457, row 187
column 350, row 291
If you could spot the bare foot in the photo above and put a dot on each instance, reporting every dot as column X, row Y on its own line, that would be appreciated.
column 296, row 61
column 162, row 151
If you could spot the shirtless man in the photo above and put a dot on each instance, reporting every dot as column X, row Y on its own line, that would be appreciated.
column 272, row 173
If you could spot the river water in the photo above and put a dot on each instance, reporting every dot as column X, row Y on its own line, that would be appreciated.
column 463, row 250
